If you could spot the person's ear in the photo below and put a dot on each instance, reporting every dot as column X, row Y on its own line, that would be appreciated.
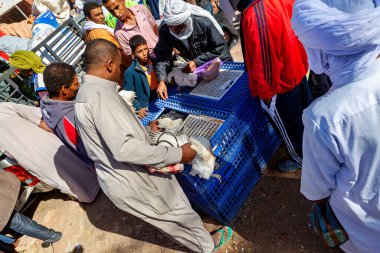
column 110, row 64
column 63, row 91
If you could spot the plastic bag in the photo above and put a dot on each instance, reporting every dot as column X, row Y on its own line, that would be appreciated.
column 42, row 27
column 209, row 70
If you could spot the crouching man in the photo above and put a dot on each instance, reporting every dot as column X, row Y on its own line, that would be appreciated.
column 118, row 143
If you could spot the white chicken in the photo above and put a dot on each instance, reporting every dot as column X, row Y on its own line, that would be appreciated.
column 169, row 124
column 128, row 96
column 204, row 162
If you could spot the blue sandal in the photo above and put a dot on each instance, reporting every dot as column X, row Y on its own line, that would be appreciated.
column 223, row 240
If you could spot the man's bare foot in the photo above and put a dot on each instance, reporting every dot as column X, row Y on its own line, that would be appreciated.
column 221, row 238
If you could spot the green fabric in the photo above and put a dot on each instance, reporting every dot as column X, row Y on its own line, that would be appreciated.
column 27, row 60
column 111, row 20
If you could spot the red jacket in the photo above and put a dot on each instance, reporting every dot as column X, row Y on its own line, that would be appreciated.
column 275, row 59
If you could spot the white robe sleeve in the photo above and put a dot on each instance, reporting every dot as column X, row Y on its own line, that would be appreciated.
column 321, row 161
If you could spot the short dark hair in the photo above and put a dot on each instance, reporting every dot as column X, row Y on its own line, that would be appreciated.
column 99, row 51
column 56, row 75
column 136, row 41
column 105, row 1
column 88, row 7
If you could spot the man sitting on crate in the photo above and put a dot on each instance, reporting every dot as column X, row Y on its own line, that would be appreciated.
column 57, row 108
column 117, row 142
column 193, row 33
column 24, row 139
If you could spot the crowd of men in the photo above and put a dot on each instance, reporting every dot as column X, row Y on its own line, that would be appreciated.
column 332, row 137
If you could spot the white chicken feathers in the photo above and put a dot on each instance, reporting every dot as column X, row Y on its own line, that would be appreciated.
column 204, row 162
column 128, row 96
column 169, row 124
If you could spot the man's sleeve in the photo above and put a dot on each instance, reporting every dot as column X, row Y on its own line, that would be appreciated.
column 149, row 16
column 123, row 42
column 116, row 129
column 216, row 45
column 30, row 113
column 163, row 52
column 321, row 161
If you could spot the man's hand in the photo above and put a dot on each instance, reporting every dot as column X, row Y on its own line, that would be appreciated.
column 162, row 91
column 44, row 126
column 30, row 19
column 142, row 113
column 188, row 153
column 214, row 6
column 154, row 126
column 190, row 67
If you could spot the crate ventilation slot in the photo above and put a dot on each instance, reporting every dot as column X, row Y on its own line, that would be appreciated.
column 218, row 87
column 200, row 125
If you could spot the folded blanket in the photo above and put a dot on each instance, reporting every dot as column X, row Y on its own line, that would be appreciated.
column 20, row 29
column 10, row 44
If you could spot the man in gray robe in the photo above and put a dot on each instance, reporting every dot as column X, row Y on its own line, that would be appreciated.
column 42, row 154
column 117, row 142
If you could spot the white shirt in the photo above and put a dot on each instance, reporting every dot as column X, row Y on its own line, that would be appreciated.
column 341, row 156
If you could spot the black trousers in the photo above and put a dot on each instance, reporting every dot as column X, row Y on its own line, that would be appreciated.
column 285, row 113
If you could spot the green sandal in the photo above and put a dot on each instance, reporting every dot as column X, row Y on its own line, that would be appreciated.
column 222, row 239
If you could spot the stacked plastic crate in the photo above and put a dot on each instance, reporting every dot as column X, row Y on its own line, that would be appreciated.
column 243, row 145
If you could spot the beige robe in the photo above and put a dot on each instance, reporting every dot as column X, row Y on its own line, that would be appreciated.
column 117, row 142
column 9, row 189
column 42, row 153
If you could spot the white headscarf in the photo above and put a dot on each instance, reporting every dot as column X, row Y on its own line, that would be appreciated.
column 338, row 43
column 90, row 25
column 177, row 12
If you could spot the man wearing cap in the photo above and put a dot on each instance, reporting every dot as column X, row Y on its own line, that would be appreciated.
column 194, row 33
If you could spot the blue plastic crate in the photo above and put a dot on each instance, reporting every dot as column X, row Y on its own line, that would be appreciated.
column 223, row 200
column 227, row 103
column 250, row 115
column 245, row 137
column 153, row 113
column 233, row 65
column 230, row 208
column 243, row 145
column 266, row 145
column 219, row 199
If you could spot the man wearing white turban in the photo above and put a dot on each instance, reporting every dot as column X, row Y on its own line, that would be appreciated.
column 194, row 33
column 341, row 143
